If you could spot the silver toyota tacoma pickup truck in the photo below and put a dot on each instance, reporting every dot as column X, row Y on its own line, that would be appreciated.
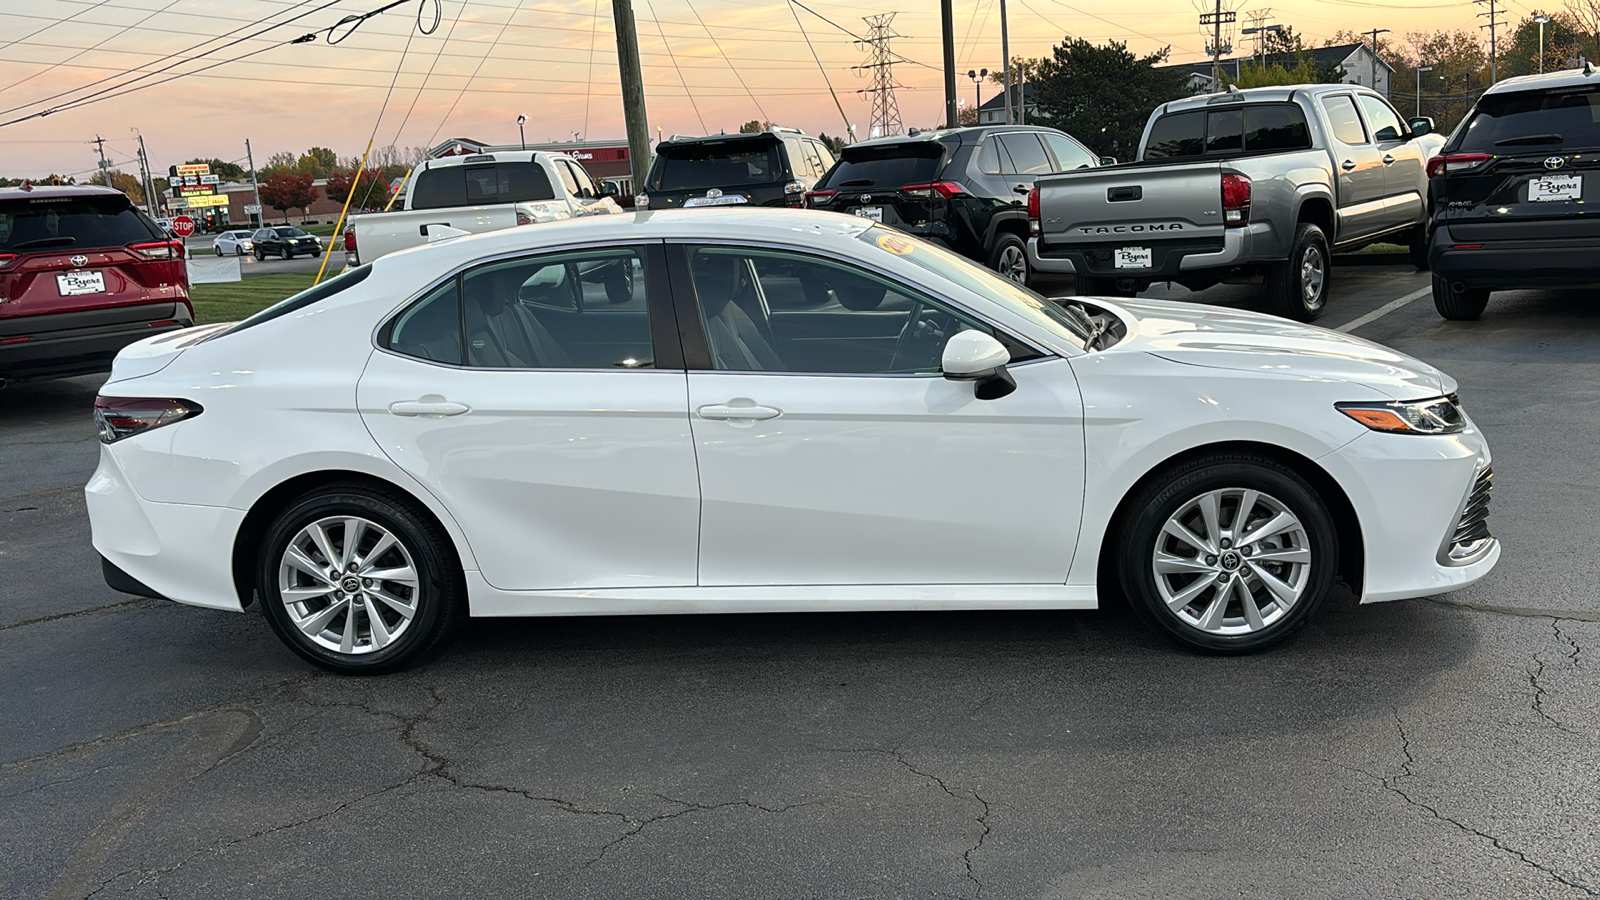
column 1243, row 186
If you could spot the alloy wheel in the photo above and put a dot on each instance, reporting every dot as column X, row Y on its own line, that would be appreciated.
column 1313, row 273
column 1232, row 561
column 349, row 584
column 1013, row 264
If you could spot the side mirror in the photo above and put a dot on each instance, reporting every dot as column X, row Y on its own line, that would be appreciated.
column 1108, row 160
column 979, row 358
column 1421, row 125
column 609, row 189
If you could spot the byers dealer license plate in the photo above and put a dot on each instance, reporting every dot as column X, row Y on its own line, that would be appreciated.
column 1134, row 258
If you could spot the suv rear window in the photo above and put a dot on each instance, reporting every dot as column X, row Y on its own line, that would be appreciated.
column 892, row 165
column 1257, row 128
column 470, row 185
column 709, row 164
column 39, row 223
column 1565, row 120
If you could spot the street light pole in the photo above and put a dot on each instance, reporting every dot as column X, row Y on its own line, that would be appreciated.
column 1420, row 70
column 1005, row 51
column 1542, row 19
column 948, row 28
column 977, row 77
column 523, row 137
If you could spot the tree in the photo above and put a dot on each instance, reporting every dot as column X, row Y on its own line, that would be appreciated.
column 284, row 192
column 1564, row 38
column 1460, row 72
column 1253, row 74
column 369, row 185
column 279, row 163
column 834, row 144
column 1102, row 94
column 227, row 170
column 1586, row 17
column 318, row 162
column 754, row 126
column 128, row 184
column 1286, row 49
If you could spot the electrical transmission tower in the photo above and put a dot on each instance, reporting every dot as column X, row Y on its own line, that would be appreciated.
column 885, row 110
column 1493, row 15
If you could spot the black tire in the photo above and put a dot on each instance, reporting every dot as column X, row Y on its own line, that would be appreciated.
column 438, row 599
column 238, row 250
column 618, row 282
column 1290, row 290
column 1009, row 257
column 1417, row 248
column 1171, row 494
column 215, row 249
column 1463, row 306
column 316, row 254
column 286, row 253
column 260, row 255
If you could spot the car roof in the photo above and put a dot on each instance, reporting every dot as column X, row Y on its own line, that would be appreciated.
column 1270, row 94
column 686, row 140
column 1587, row 75
column 942, row 133
column 60, row 190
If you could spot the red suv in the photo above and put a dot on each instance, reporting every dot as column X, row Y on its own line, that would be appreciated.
column 82, row 275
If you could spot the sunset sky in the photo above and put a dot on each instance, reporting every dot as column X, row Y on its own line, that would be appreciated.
column 554, row 62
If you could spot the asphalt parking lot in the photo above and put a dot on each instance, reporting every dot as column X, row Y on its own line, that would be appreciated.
column 1443, row 747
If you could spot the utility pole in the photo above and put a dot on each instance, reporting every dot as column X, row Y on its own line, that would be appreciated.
column 105, row 167
column 633, row 112
column 1375, row 32
column 144, row 176
column 1493, row 15
column 885, row 109
column 1216, row 19
column 1005, row 63
column 947, row 25
column 256, row 188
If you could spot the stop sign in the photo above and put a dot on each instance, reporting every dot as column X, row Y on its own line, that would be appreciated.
column 183, row 226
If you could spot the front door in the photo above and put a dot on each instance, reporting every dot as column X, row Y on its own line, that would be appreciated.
column 537, row 399
column 1404, row 168
column 1358, row 171
column 832, row 451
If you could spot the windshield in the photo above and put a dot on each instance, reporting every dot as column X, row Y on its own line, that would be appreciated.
column 979, row 280
column 1540, row 120
column 82, row 222
column 710, row 164
column 289, row 232
column 895, row 165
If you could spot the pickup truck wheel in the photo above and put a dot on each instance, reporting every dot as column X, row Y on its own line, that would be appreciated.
column 1298, row 288
column 1009, row 258
column 1458, row 305
column 618, row 282
column 1418, row 249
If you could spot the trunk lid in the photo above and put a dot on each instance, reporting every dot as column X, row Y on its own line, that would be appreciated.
column 153, row 354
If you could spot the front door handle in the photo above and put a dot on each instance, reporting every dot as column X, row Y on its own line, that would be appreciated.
column 1388, row 160
column 431, row 405
column 728, row 411
column 1348, row 165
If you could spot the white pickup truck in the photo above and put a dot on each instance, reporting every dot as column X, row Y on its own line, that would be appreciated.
column 480, row 192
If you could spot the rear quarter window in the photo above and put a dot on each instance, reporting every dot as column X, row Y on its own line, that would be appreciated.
column 1553, row 120
column 105, row 220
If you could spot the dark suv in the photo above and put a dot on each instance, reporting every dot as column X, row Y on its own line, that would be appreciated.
column 772, row 168
column 964, row 187
column 1513, row 192
column 284, row 241
column 82, row 275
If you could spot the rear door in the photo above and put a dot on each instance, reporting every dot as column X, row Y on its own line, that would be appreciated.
column 1525, row 166
column 1359, row 175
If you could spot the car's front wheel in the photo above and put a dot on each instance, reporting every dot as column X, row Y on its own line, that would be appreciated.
column 216, row 249
column 1228, row 554
column 260, row 255
column 1457, row 301
column 1009, row 258
column 286, row 253
column 359, row 580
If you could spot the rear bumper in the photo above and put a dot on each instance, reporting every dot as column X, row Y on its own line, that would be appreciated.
column 1170, row 258
column 1510, row 264
column 66, row 344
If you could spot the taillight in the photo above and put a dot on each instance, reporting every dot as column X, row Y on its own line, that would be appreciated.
column 159, row 250
column 815, row 199
column 6, row 259
column 794, row 187
column 641, row 201
column 946, row 189
column 1235, row 200
column 523, row 218
column 1443, row 164
column 1033, row 211
column 350, row 240
column 119, row 417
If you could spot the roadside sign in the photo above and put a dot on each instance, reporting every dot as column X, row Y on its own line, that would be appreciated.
column 252, row 209
column 183, row 226
column 192, row 170
column 210, row 179
column 207, row 201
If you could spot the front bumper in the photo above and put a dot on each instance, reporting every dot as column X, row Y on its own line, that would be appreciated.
column 1513, row 264
column 81, row 343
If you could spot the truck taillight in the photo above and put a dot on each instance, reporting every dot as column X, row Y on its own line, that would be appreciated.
column 1440, row 165
column 1034, row 226
column 1235, row 200
column 120, row 417
column 814, row 199
column 349, row 240
column 523, row 218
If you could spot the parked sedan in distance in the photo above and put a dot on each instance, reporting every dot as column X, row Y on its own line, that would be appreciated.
column 285, row 241
column 232, row 243
column 489, row 431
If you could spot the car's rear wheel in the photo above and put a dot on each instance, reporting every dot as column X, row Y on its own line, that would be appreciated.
column 358, row 580
column 1009, row 258
column 1453, row 302
column 1298, row 287
column 1228, row 554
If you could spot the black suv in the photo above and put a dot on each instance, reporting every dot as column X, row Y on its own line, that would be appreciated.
column 284, row 241
column 771, row 168
column 1513, row 192
column 964, row 187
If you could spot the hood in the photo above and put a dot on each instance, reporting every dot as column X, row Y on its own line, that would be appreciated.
column 1221, row 338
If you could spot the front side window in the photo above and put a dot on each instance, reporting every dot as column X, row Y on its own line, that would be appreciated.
column 1386, row 127
column 771, row 311
column 1069, row 153
column 570, row 181
column 1342, row 118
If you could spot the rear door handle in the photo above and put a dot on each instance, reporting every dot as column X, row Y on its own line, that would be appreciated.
column 729, row 411
column 1348, row 165
column 1388, row 160
column 428, row 406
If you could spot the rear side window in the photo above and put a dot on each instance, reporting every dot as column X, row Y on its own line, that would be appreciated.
column 718, row 164
column 1273, row 127
column 1177, row 135
column 888, row 166
column 1347, row 128
column 40, row 223
column 1566, row 120
column 468, row 185
column 1027, row 154
column 1257, row 128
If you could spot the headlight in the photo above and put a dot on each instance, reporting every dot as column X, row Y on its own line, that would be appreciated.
column 1437, row 415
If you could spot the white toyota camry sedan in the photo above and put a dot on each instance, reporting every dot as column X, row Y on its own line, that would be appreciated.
column 749, row 411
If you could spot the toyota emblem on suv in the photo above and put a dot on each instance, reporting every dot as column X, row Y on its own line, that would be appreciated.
column 79, row 260
column 1554, row 162
column 714, row 193
column 866, row 198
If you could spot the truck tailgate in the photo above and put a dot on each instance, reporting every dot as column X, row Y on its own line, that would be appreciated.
column 1121, row 204
column 379, row 234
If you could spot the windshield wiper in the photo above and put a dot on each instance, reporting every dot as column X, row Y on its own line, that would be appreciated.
column 1551, row 138
column 46, row 242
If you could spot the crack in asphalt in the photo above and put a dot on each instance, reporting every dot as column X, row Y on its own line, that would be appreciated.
column 1524, row 612
column 91, row 611
column 1571, row 642
column 635, row 826
column 1407, row 771
column 1539, row 693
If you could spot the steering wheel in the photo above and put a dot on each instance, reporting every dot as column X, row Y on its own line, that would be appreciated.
column 922, row 333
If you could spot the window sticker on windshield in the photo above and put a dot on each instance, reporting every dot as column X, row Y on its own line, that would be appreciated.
column 897, row 245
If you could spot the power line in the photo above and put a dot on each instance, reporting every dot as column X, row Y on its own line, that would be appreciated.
column 899, row 56
column 731, row 67
column 594, row 28
column 429, row 74
column 824, row 72
column 668, row 49
column 468, row 83
column 54, row 23
column 52, row 67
